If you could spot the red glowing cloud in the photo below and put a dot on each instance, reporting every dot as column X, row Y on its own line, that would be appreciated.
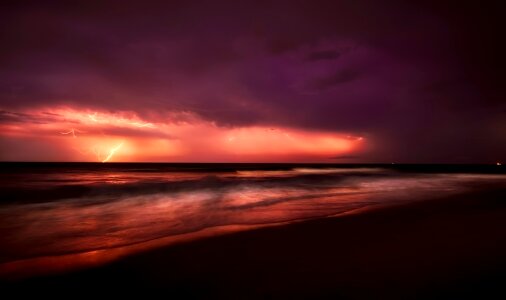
column 68, row 134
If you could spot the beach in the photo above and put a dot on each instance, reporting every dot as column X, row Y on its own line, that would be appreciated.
column 444, row 246
column 447, row 249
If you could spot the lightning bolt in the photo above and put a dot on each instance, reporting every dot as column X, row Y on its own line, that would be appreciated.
column 112, row 151
column 73, row 131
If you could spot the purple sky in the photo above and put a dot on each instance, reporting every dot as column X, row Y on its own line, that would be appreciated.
column 421, row 81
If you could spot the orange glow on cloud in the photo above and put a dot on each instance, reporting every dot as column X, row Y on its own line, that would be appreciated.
column 85, row 135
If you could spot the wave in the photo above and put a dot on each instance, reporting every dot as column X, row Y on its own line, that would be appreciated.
column 76, row 212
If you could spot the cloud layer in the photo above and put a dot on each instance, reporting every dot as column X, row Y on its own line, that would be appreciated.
column 415, row 80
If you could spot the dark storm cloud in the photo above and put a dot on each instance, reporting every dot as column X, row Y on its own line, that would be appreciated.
column 424, row 79
column 15, row 117
column 323, row 55
column 342, row 76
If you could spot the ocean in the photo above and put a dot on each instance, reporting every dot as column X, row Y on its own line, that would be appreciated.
column 60, row 216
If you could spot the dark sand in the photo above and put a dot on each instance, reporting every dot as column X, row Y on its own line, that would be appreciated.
column 444, row 248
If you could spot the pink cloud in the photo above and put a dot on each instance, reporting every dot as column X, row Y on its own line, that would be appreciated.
column 70, row 134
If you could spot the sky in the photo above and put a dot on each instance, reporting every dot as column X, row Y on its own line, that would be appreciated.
column 253, row 81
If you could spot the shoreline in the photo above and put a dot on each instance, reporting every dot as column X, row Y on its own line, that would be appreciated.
column 58, row 265
column 452, row 246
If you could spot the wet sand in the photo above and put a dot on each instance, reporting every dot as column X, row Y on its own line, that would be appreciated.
column 443, row 248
